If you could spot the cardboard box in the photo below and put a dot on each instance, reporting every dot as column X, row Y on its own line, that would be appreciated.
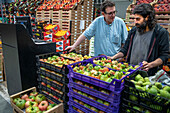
column 57, row 109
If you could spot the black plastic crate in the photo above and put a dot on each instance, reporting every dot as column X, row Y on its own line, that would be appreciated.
column 61, row 96
column 59, row 77
column 49, row 97
column 49, row 66
column 51, row 83
column 153, row 103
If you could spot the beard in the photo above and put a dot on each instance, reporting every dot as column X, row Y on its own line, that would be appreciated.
column 141, row 27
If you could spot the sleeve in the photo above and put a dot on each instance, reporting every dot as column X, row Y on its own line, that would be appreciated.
column 90, row 31
column 164, row 46
column 124, row 33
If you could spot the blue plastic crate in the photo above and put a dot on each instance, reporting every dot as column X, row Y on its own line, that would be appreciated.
column 115, row 85
column 109, row 109
column 71, row 110
column 72, row 103
column 113, row 97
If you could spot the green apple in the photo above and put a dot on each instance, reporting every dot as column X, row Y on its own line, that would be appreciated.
column 94, row 109
column 106, row 103
column 32, row 97
column 32, row 109
column 30, row 103
column 100, row 101
column 21, row 103
column 16, row 100
column 39, row 98
column 51, row 106
column 87, row 106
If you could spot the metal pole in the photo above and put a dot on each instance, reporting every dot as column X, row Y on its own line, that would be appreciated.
column 2, row 11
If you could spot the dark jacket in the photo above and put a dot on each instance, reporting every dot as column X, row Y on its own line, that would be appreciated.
column 159, row 46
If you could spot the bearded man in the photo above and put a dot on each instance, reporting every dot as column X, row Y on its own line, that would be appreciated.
column 147, row 42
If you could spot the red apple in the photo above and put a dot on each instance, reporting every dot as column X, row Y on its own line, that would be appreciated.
column 28, row 99
column 55, row 97
column 24, row 96
column 30, row 103
column 43, row 105
column 53, row 88
column 34, row 94
column 42, row 83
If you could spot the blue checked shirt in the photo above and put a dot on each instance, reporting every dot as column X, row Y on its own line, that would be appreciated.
column 107, row 38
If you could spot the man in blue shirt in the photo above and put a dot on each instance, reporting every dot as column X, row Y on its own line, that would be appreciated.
column 109, row 32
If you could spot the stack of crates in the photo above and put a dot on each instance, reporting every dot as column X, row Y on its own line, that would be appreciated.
column 85, row 17
column 47, row 15
column 91, row 95
column 52, row 80
column 135, row 100
column 56, row 15
column 39, row 15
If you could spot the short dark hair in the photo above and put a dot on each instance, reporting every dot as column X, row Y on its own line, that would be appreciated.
column 146, row 10
column 106, row 4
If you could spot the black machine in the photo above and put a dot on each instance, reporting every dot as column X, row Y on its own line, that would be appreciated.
column 26, row 22
column 19, row 51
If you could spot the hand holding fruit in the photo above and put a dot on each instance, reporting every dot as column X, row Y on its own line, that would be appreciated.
column 70, row 48
column 146, row 65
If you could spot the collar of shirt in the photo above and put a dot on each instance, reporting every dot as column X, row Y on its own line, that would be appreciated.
column 108, row 24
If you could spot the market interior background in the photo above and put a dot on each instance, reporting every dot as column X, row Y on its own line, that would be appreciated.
column 124, row 8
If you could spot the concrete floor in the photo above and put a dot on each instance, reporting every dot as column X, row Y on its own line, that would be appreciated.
column 5, row 106
column 4, row 92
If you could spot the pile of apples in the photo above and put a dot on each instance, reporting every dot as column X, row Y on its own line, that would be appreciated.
column 143, row 1
column 163, row 1
column 33, row 103
column 114, row 64
column 75, row 56
column 144, row 84
column 102, row 73
column 57, row 61
column 162, row 7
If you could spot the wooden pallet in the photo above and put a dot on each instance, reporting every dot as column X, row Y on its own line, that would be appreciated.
column 39, row 15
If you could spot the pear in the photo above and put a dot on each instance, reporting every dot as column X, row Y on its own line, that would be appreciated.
column 164, row 93
column 146, row 79
column 137, row 108
column 153, row 91
column 133, row 98
column 138, row 77
column 139, row 83
column 167, row 88
column 146, row 83
column 158, row 85
column 139, row 87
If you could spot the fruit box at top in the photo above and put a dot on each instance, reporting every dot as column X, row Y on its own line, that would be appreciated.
column 61, row 34
column 56, row 109
column 114, row 85
column 52, row 28
column 113, row 64
column 139, row 90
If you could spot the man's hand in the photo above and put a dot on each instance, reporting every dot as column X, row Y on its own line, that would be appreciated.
column 146, row 66
column 70, row 48
column 109, row 57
